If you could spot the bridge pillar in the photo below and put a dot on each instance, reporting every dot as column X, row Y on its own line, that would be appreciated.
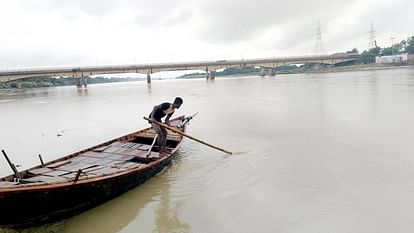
column 81, row 81
column 272, row 72
column 148, row 77
column 212, row 74
column 262, row 72
column 78, row 82
column 84, row 81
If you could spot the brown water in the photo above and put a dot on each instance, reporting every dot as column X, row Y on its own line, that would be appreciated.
column 314, row 153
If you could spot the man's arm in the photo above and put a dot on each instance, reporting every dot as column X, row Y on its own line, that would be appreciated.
column 167, row 119
column 153, row 112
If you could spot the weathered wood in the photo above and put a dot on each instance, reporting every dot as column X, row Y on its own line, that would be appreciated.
column 77, row 176
column 57, row 164
column 75, row 167
column 41, row 160
column 152, row 145
column 105, row 171
column 42, row 170
column 44, row 179
column 56, row 173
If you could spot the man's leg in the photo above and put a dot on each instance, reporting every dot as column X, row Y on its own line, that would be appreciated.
column 164, row 140
column 160, row 138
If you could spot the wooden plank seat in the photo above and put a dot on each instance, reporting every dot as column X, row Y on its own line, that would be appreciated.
column 85, row 159
column 57, row 164
column 104, row 158
column 143, row 158
column 44, row 179
column 170, row 135
column 74, row 167
column 130, row 165
column 55, row 173
column 39, row 171
column 104, row 171
column 72, row 175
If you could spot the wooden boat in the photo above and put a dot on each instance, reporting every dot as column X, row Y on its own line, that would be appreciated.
column 82, row 180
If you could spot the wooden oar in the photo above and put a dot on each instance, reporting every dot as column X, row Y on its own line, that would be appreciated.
column 186, row 135
column 152, row 145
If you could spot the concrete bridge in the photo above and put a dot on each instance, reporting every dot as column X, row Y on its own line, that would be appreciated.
column 209, row 66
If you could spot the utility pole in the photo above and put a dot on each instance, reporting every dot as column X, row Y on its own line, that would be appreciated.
column 319, row 48
column 392, row 45
column 371, row 43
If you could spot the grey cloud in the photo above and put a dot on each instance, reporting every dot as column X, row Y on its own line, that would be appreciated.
column 73, row 8
column 387, row 16
column 229, row 25
column 153, row 14
column 392, row 17
column 182, row 15
column 20, row 58
column 232, row 21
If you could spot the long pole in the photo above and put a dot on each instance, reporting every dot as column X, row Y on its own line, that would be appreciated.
column 186, row 135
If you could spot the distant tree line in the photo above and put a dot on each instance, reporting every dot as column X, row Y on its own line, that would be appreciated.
column 32, row 82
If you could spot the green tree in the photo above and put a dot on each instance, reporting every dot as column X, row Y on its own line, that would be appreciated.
column 409, row 48
column 369, row 56
column 354, row 50
column 388, row 51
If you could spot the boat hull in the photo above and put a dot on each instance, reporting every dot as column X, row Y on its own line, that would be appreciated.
column 109, row 170
column 34, row 207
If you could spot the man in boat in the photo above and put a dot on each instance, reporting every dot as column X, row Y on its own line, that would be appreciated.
column 159, row 112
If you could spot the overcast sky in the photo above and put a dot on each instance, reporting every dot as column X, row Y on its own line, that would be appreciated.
column 47, row 33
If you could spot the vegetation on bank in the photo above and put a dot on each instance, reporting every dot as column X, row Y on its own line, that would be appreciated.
column 405, row 46
column 233, row 71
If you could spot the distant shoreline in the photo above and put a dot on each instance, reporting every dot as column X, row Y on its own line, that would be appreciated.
column 367, row 67
column 351, row 68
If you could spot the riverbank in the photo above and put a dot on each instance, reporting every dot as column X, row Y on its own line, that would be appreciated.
column 315, row 69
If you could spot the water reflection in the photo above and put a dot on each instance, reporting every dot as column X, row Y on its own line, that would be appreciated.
column 82, row 91
column 166, row 215
column 18, row 94
column 209, row 80
column 149, row 88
